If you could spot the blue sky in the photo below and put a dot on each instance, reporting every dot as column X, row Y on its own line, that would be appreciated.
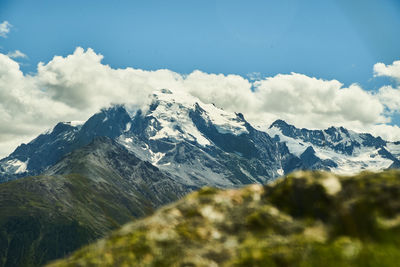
column 332, row 39
column 284, row 44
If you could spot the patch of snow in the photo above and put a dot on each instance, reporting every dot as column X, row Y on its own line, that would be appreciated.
column 76, row 123
column 22, row 167
column 15, row 166
column 48, row 131
column 127, row 127
column 145, row 147
column 295, row 146
column 362, row 159
column 127, row 139
column 355, row 137
column 68, row 136
column 172, row 113
column 225, row 122
column 156, row 157
column 72, row 123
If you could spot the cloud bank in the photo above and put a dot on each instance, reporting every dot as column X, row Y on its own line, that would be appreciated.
column 78, row 85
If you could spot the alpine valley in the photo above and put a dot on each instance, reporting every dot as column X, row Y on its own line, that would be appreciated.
column 79, row 180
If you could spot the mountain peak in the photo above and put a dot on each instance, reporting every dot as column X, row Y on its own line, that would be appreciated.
column 114, row 111
column 111, row 122
column 279, row 123
column 60, row 127
column 171, row 113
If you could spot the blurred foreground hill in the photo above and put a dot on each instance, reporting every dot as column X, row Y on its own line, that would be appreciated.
column 303, row 219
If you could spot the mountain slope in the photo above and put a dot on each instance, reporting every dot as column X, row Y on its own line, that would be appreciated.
column 106, row 162
column 89, row 192
column 287, row 223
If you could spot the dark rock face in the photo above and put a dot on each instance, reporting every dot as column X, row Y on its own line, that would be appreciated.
column 54, row 145
column 110, row 122
column 227, row 142
column 105, row 158
column 312, row 162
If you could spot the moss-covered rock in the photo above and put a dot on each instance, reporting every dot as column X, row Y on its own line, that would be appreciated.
column 304, row 219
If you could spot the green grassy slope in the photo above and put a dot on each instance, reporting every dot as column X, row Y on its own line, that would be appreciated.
column 90, row 192
column 305, row 219
column 46, row 217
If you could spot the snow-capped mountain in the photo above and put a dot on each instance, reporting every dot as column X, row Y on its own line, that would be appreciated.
column 337, row 149
column 197, row 143
column 200, row 144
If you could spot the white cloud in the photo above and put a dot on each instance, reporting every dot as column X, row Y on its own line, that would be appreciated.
column 231, row 92
column 390, row 97
column 5, row 27
column 392, row 70
column 316, row 103
column 17, row 54
column 296, row 98
column 76, row 86
column 24, row 107
column 387, row 132
column 81, row 81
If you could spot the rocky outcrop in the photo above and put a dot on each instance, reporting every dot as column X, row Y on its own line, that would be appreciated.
column 304, row 219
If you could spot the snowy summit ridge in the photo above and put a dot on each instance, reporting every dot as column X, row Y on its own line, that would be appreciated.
column 172, row 111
